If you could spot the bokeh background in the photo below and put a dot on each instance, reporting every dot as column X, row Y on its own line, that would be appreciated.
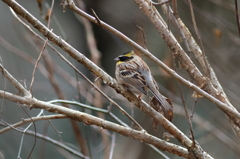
column 217, row 25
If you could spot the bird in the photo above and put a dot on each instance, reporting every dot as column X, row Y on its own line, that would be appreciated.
column 135, row 76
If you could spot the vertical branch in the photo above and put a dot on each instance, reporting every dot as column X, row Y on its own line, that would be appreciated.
column 207, row 71
column 237, row 17
column 35, row 66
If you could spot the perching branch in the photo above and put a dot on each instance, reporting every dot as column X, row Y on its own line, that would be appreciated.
column 89, row 119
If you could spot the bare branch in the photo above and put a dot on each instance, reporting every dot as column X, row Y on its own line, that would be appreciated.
column 35, row 66
column 25, row 121
column 237, row 17
column 212, row 86
column 89, row 119
column 14, row 82
column 207, row 71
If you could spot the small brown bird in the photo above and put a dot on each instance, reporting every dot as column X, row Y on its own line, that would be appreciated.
column 135, row 76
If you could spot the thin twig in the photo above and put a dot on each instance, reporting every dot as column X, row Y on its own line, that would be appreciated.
column 96, row 17
column 187, row 115
column 25, row 121
column 22, row 54
column 143, row 34
column 58, row 132
column 34, row 70
column 199, row 37
column 50, row 140
column 50, row 14
column 23, row 133
column 193, row 107
column 174, row 6
column 237, row 17
column 42, row 50
column 160, row 3
column 112, row 145
column 185, row 107
column 4, row 88
column 9, row 125
column 91, row 108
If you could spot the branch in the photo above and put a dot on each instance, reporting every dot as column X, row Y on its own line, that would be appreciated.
column 213, row 86
column 25, row 121
column 89, row 119
column 14, row 82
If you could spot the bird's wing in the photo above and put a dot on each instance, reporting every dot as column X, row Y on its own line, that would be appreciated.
column 134, row 79
column 153, row 88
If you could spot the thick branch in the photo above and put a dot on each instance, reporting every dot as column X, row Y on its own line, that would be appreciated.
column 89, row 119
column 151, row 12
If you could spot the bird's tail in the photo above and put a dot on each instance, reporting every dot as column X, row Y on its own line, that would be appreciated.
column 167, row 108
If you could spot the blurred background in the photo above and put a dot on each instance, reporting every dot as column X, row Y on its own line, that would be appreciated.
column 217, row 25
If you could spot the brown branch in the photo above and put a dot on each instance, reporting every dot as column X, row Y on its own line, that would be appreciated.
column 237, row 17
column 25, row 121
column 35, row 66
column 89, row 119
column 160, row 3
column 212, row 86
column 14, row 82
column 207, row 71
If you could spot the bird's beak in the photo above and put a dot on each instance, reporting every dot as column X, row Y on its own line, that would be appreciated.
column 116, row 59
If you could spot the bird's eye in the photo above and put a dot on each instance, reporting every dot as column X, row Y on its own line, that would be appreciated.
column 125, row 58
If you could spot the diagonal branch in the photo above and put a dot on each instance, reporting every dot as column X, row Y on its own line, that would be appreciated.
column 14, row 82
column 89, row 119
column 213, row 86
column 151, row 12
